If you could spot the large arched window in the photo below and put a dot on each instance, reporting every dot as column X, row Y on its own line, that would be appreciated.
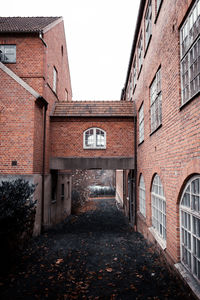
column 190, row 226
column 158, row 203
column 94, row 138
column 142, row 196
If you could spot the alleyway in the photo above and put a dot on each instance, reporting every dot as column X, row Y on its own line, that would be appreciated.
column 94, row 255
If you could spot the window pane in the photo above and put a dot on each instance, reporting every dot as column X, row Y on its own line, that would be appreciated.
column 8, row 53
column 190, row 43
column 190, row 226
column 158, row 207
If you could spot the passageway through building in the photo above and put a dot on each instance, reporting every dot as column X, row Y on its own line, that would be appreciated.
column 93, row 183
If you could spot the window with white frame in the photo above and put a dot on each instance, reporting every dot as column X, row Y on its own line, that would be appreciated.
column 130, row 86
column 190, row 54
column 94, row 138
column 8, row 53
column 148, row 23
column 141, row 123
column 158, row 204
column 190, row 226
column 55, row 75
column 156, row 102
column 158, row 3
column 140, row 52
column 134, row 73
column 142, row 200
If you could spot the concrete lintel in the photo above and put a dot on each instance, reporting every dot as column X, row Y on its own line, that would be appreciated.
column 85, row 163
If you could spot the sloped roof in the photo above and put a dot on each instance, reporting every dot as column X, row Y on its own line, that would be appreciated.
column 25, row 24
column 94, row 109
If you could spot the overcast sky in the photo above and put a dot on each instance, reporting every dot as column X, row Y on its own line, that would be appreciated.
column 99, row 36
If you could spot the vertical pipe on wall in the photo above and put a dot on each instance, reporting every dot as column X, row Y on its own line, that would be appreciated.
column 43, row 165
column 135, row 170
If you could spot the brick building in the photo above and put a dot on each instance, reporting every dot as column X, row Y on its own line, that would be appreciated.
column 43, row 133
column 34, row 74
column 163, row 81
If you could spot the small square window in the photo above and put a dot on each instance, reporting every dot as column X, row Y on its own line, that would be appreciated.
column 8, row 53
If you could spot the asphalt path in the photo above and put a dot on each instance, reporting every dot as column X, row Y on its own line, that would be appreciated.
column 92, row 255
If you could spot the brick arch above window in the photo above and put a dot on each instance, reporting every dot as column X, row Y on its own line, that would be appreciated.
column 189, row 170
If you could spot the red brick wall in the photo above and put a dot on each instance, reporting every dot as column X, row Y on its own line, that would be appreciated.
column 67, row 137
column 55, row 39
column 29, row 58
column 173, row 148
column 16, row 127
column 34, row 64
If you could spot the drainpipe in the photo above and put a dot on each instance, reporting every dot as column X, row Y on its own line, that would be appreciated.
column 43, row 165
column 135, row 170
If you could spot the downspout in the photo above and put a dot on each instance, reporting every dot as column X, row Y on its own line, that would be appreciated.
column 43, row 165
column 135, row 170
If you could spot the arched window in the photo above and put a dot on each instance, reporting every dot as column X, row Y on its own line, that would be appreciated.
column 142, row 196
column 190, row 226
column 158, row 204
column 94, row 138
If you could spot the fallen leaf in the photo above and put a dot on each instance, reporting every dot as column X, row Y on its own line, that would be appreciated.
column 59, row 260
column 109, row 270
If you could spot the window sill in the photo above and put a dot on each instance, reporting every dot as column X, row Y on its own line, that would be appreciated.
column 53, row 201
column 139, row 72
column 158, row 238
column 85, row 148
column 156, row 129
column 140, row 143
column 8, row 62
column 52, row 90
column 147, row 47
column 142, row 216
column 190, row 100
column 188, row 279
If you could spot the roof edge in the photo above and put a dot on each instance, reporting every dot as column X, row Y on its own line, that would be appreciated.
column 21, row 82
column 51, row 25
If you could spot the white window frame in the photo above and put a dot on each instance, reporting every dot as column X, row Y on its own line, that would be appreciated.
column 141, row 123
column 156, row 102
column 189, row 235
column 94, row 144
column 8, row 53
column 130, row 86
column 142, row 196
column 189, row 45
column 158, row 4
column 148, row 23
column 140, row 52
column 134, row 74
column 55, row 78
column 158, row 207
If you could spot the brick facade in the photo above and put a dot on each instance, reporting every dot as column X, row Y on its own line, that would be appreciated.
column 22, row 113
column 173, row 150
column 67, row 137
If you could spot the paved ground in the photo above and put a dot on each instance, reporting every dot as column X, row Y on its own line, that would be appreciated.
column 94, row 255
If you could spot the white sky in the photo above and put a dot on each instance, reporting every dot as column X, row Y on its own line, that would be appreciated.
column 99, row 36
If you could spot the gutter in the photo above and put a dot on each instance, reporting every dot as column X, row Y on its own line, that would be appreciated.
column 135, row 170
column 137, row 29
